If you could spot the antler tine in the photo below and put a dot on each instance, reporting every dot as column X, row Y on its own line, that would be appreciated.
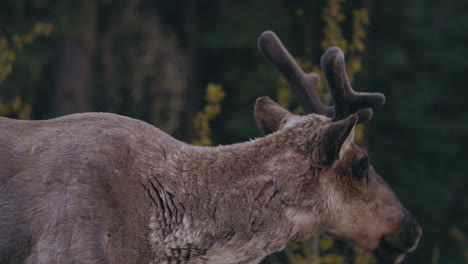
column 302, row 84
column 346, row 100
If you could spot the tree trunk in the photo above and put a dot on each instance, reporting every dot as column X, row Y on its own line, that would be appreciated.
column 194, row 92
column 73, row 71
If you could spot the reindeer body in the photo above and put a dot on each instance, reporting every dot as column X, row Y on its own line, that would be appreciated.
column 124, row 191
column 103, row 188
column 59, row 183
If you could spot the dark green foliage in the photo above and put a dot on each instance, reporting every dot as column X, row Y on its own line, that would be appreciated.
column 419, row 139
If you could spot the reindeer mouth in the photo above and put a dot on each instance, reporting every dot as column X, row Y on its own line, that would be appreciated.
column 390, row 251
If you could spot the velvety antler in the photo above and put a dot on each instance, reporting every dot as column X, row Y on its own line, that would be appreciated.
column 301, row 83
column 345, row 99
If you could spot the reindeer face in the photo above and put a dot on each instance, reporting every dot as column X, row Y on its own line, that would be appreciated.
column 353, row 202
column 365, row 210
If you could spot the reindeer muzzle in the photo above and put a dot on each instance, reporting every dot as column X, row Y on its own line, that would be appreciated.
column 393, row 249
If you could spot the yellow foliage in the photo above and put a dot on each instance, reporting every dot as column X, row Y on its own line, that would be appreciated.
column 7, row 56
column 332, row 259
column 326, row 243
column 326, row 253
column 8, row 49
column 16, row 107
column 354, row 65
column 298, row 259
column 333, row 16
column 362, row 256
column 214, row 96
column 295, row 245
column 359, row 133
column 361, row 18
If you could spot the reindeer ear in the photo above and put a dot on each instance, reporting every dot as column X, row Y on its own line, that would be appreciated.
column 269, row 115
column 337, row 139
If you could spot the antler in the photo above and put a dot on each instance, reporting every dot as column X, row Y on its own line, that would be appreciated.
column 346, row 100
column 302, row 84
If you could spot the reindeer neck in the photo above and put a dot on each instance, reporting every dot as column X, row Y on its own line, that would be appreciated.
column 236, row 195
column 234, row 162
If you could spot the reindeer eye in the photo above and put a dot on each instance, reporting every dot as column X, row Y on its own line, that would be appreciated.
column 360, row 167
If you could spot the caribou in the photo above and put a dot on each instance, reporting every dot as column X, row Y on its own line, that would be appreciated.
column 104, row 188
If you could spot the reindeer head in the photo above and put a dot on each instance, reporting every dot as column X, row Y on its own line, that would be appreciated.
column 355, row 202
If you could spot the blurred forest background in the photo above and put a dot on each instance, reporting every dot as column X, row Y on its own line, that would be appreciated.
column 153, row 60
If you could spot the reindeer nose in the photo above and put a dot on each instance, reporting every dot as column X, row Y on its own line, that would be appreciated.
column 412, row 228
column 392, row 249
